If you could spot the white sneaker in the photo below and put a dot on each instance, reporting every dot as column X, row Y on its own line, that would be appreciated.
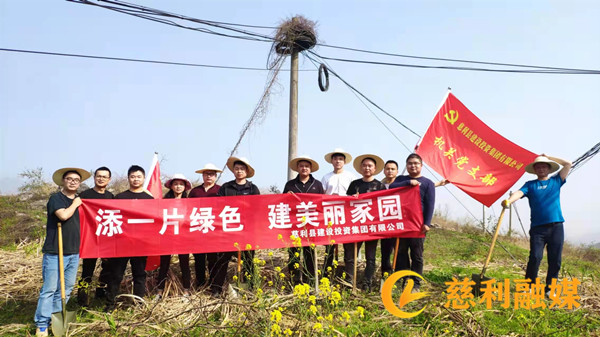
column 40, row 333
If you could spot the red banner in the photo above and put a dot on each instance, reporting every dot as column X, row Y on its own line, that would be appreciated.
column 117, row 228
column 471, row 155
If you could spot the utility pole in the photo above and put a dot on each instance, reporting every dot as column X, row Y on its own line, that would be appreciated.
column 293, row 130
column 483, row 220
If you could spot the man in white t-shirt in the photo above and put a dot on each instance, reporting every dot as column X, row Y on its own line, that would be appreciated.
column 336, row 183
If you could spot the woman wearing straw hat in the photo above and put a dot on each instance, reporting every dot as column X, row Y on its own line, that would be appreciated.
column 242, row 170
column 178, row 187
column 369, row 165
column 546, row 215
column 207, row 189
column 63, row 208
column 303, row 183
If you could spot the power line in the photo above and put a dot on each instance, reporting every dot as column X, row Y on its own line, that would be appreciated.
column 446, row 59
column 138, row 60
column 555, row 72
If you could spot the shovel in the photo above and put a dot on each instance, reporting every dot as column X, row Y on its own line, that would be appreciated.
column 61, row 320
column 478, row 278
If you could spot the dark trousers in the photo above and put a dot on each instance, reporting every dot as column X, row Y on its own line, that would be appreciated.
column 217, row 270
column 184, row 264
column 87, row 272
column 387, row 249
column 415, row 261
column 306, row 272
column 248, row 264
column 200, row 269
column 551, row 236
column 138, row 271
column 370, row 253
column 328, row 260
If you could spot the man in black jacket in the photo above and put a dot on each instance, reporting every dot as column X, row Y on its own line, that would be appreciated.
column 218, row 263
column 303, row 183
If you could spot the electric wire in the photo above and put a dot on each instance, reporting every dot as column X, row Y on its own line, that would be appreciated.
column 110, row 58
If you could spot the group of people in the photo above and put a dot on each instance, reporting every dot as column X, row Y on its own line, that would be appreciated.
column 63, row 209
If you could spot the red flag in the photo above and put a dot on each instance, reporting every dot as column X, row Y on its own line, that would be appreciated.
column 154, row 186
column 471, row 155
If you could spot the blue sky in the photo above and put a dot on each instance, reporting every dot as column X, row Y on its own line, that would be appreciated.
column 59, row 111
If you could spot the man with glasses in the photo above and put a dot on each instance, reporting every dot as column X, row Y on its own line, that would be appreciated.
column 414, row 164
column 63, row 208
column 208, row 188
column 101, row 179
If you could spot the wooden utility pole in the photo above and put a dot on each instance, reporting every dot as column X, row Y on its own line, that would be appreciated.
column 293, row 131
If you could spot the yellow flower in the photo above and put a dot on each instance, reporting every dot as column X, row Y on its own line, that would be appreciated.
column 329, row 317
column 319, row 318
column 296, row 266
column 313, row 309
column 287, row 332
column 282, row 287
column 329, row 224
column 346, row 316
column 275, row 330
column 335, row 263
column 386, row 274
column 279, row 237
column 270, row 283
column 276, row 316
column 282, row 275
column 248, row 246
column 235, row 278
column 256, row 260
column 329, row 269
column 278, row 269
column 236, row 245
column 360, row 311
column 335, row 297
column 296, row 254
column 312, row 245
column 318, row 327
column 271, row 254
column 312, row 299
column 259, row 292
column 324, row 286
column 332, row 242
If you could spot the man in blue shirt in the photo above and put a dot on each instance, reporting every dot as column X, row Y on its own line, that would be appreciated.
column 546, row 215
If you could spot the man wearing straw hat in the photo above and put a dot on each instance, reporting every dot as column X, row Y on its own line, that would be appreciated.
column 62, row 207
column 414, row 262
column 303, row 183
column 208, row 188
column 546, row 215
column 101, row 180
column 242, row 170
column 369, row 165
column 336, row 183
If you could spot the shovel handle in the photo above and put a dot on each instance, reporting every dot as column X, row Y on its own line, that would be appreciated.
column 395, row 255
column 489, row 256
column 61, row 262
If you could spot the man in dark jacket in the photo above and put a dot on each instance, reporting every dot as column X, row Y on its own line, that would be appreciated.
column 414, row 164
column 101, row 180
column 303, row 183
column 240, row 186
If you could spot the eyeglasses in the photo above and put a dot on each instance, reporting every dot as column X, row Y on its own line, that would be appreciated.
column 73, row 180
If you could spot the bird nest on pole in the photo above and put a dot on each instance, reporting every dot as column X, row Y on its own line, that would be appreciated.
column 295, row 35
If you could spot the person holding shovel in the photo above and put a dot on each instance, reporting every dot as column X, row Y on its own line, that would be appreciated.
column 63, row 211
column 414, row 262
column 546, row 215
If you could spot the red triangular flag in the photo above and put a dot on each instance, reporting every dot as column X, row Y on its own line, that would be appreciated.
column 154, row 186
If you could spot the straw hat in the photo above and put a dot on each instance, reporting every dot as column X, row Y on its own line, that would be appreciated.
column 209, row 167
column 179, row 176
column 57, row 177
column 244, row 160
column 314, row 166
column 341, row 151
column 542, row 159
column 379, row 164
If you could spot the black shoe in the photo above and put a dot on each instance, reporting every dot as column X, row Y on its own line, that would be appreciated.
column 82, row 298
